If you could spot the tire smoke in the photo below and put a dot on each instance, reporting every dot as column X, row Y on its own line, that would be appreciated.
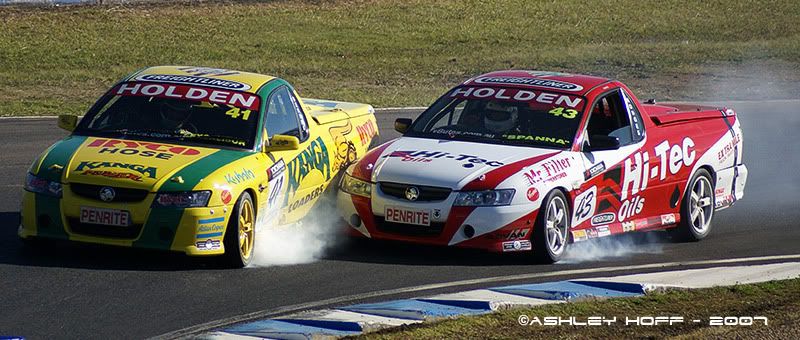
column 302, row 242
column 606, row 248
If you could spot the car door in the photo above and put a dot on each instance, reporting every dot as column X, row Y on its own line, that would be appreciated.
column 307, row 169
column 611, row 192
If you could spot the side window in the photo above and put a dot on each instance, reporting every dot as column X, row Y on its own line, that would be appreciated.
column 609, row 117
column 284, row 116
column 636, row 119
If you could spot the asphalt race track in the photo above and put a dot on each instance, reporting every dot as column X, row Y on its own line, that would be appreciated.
column 81, row 291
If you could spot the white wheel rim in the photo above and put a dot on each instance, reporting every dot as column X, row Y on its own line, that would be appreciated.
column 701, row 208
column 556, row 225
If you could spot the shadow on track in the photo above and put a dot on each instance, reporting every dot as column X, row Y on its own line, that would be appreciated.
column 89, row 256
column 385, row 252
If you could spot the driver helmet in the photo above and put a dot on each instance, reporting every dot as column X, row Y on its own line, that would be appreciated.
column 500, row 116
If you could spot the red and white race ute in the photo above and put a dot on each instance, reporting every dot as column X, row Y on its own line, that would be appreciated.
column 531, row 161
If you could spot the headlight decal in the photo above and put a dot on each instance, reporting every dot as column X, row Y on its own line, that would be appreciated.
column 484, row 198
column 355, row 186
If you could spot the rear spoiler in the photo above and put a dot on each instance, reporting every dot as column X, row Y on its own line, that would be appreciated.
column 680, row 117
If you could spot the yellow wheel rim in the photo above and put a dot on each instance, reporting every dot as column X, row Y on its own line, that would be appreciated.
column 246, row 229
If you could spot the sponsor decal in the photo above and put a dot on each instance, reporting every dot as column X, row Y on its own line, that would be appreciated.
column 423, row 156
column 591, row 233
column 113, row 174
column 207, row 245
column 630, row 208
column 345, row 150
column 226, row 97
column 603, row 219
column 194, row 80
column 511, row 94
column 366, row 131
column 407, row 215
column 518, row 245
column 210, row 228
column 547, row 171
column 579, row 235
column 628, row 226
column 519, row 233
column 208, row 71
column 551, row 140
column 553, row 84
column 240, row 177
column 544, row 74
column 585, row 205
column 313, row 158
column 88, row 166
column 724, row 201
column 729, row 148
column 226, row 196
column 276, row 169
column 602, row 231
column 667, row 219
column 120, row 218
column 437, row 213
column 307, row 198
column 594, row 170
column 533, row 194
column 142, row 149
column 637, row 170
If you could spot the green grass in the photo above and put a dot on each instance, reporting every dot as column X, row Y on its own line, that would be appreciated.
column 385, row 52
column 779, row 301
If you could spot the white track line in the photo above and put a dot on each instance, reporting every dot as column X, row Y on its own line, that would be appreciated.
column 342, row 299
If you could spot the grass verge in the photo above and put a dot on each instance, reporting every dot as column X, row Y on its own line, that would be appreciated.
column 779, row 301
column 393, row 52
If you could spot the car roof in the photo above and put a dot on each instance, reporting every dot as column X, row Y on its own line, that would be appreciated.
column 555, row 81
column 231, row 79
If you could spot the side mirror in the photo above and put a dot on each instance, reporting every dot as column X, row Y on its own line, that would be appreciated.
column 401, row 124
column 283, row 142
column 601, row 142
column 68, row 122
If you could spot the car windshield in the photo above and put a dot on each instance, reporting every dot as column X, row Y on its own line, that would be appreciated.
column 176, row 114
column 502, row 115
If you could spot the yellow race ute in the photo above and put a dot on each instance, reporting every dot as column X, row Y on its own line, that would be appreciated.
column 191, row 159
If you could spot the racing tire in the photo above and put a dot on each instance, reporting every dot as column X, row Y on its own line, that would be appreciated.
column 697, row 209
column 550, row 233
column 241, row 232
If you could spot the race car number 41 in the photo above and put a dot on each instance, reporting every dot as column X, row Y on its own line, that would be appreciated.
column 118, row 218
column 408, row 216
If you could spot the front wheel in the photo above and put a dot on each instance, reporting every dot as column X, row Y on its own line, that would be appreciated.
column 697, row 209
column 241, row 233
column 550, row 234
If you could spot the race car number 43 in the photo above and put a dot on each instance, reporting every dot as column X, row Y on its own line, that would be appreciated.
column 118, row 218
column 408, row 216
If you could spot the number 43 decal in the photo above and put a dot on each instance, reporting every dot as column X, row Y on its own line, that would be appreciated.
column 566, row 113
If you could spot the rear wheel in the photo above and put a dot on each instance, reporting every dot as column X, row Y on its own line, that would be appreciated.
column 552, row 225
column 697, row 209
column 241, row 233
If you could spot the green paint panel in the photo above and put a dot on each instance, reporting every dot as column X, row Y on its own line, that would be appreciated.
column 159, row 231
column 60, row 154
column 193, row 173
column 51, row 207
column 162, row 223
